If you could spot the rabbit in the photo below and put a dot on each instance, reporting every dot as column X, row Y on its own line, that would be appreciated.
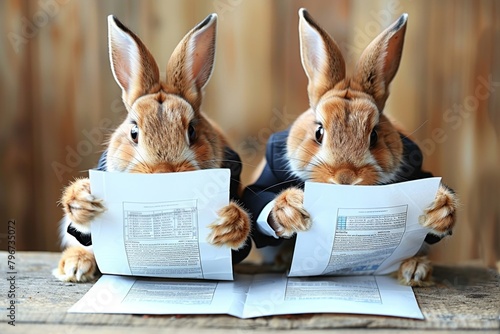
column 164, row 131
column 343, row 138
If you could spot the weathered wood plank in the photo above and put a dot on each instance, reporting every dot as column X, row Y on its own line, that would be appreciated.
column 84, row 329
column 463, row 298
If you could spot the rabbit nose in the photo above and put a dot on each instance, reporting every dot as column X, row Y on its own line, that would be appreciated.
column 345, row 176
column 163, row 167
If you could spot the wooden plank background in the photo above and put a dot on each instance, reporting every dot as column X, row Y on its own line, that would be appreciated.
column 58, row 98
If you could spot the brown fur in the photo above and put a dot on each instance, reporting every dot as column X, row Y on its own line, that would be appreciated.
column 415, row 271
column 77, row 265
column 349, row 109
column 440, row 216
column 80, row 206
column 288, row 210
column 232, row 227
column 164, row 112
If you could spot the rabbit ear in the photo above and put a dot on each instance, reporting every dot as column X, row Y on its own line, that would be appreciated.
column 133, row 66
column 321, row 58
column 192, row 61
column 379, row 62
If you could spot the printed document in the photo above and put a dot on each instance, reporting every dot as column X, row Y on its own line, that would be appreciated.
column 250, row 296
column 155, row 225
column 361, row 230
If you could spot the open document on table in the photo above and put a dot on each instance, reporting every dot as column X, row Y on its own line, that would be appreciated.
column 156, row 224
column 250, row 296
column 357, row 234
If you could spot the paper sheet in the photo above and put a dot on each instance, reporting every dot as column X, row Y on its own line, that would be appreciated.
column 251, row 296
column 361, row 230
column 156, row 224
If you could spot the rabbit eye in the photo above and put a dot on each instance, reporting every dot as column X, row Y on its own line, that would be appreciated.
column 134, row 133
column 373, row 138
column 191, row 134
column 319, row 134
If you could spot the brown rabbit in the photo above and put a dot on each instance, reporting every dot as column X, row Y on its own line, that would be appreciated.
column 343, row 138
column 164, row 131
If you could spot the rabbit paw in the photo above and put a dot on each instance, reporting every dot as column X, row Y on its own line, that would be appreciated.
column 440, row 216
column 231, row 228
column 415, row 271
column 79, row 204
column 77, row 265
column 288, row 213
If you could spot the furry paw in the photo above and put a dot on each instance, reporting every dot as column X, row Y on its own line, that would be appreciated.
column 288, row 213
column 440, row 216
column 80, row 206
column 415, row 271
column 77, row 265
column 231, row 228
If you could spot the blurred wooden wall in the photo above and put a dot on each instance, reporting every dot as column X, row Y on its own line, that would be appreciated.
column 59, row 100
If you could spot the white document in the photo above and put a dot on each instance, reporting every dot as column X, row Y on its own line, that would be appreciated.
column 361, row 230
column 251, row 296
column 156, row 225
column 132, row 295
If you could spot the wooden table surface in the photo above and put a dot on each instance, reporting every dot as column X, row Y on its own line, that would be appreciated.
column 464, row 298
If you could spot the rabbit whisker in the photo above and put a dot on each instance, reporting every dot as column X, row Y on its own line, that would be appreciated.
column 414, row 131
column 277, row 184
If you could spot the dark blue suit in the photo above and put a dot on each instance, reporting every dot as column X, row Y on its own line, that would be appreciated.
column 277, row 177
column 231, row 160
